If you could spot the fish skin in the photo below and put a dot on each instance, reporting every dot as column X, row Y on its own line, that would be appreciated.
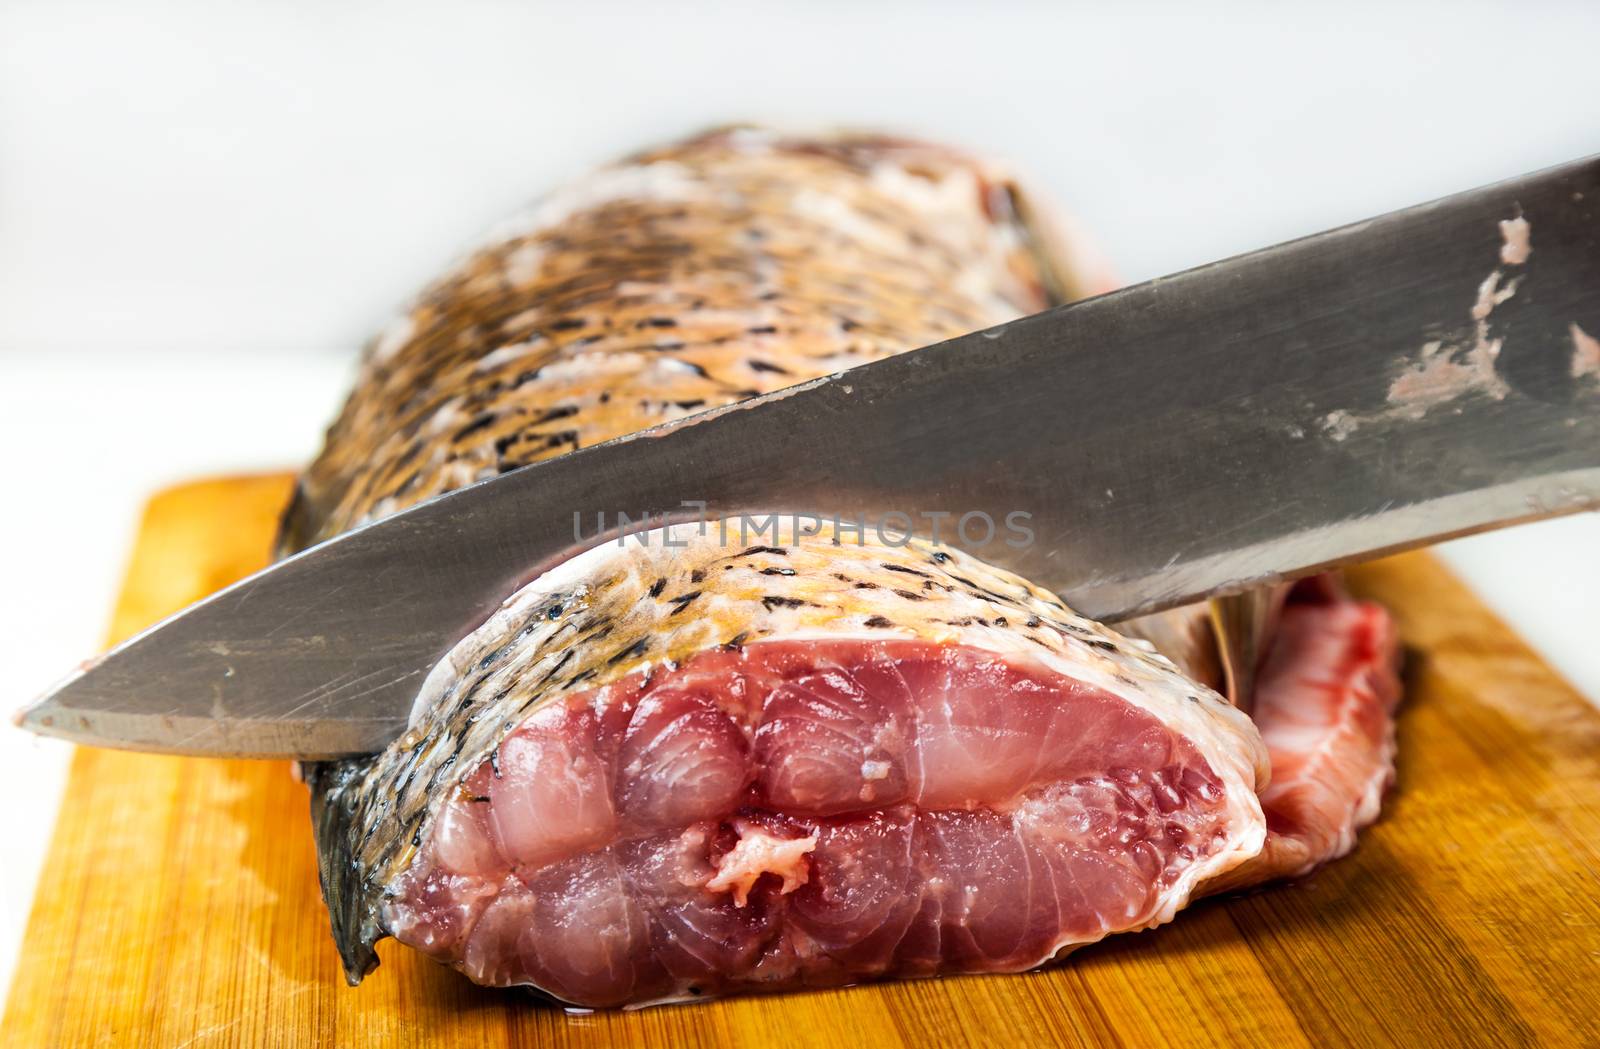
column 550, row 336
column 1186, row 636
column 688, row 277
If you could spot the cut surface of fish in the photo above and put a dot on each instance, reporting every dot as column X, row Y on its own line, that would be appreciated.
column 855, row 762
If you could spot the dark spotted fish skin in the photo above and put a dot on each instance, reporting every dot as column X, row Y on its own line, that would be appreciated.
column 692, row 276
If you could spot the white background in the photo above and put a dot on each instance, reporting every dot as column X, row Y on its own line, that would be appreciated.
column 205, row 208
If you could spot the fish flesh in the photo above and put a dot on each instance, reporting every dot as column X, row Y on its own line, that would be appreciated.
column 691, row 762
column 1324, row 703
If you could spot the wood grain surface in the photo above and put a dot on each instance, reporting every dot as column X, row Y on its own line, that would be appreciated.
column 178, row 905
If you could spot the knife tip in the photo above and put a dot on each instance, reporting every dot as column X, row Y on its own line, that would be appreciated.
column 41, row 716
column 37, row 717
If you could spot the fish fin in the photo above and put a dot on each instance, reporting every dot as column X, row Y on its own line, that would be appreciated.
column 295, row 524
column 352, row 907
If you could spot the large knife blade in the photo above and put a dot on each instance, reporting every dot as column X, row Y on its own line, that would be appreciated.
column 1364, row 390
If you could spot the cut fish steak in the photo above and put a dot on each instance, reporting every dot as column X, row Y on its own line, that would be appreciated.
column 856, row 761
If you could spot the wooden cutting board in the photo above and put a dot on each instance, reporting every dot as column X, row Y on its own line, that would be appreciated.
column 178, row 905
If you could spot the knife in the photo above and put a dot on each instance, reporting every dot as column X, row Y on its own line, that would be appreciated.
column 1427, row 374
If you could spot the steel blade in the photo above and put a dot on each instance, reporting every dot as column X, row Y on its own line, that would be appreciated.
column 1303, row 406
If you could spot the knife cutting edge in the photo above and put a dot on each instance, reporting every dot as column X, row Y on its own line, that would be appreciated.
column 1426, row 374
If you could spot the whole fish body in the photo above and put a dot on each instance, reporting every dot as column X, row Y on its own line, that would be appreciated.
column 686, row 764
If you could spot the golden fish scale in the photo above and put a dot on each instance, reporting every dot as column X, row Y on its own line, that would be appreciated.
column 770, row 263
